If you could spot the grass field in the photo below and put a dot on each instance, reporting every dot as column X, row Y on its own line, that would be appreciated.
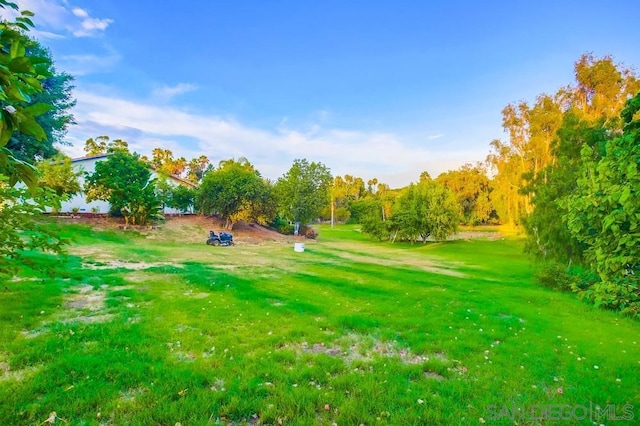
column 155, row 329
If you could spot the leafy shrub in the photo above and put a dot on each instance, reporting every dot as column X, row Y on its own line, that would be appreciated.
column 282, row 226
column 308, row 232
column 557, row 276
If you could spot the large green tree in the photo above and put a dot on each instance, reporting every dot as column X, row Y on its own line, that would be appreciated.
column 589, row 115
column 304, row 191
column 59, row 175
column 603, row 213
column 125, row 182
column 235, row 191
column 56, row 93
column 423, row 210
column 21, row 78
column 472, row 190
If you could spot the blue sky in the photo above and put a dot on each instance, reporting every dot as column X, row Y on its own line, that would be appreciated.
column 382, row 89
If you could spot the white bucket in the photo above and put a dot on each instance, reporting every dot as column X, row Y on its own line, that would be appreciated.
column 298, row 247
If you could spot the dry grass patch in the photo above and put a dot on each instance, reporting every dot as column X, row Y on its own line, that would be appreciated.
column 354, row 347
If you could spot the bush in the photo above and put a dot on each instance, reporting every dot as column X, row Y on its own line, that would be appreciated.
column 308, row 232
column 282, row 226
column 559, row 277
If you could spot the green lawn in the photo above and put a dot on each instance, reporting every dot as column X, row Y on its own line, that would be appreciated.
column 144, row 329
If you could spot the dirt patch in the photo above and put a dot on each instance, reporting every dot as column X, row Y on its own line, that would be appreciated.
column 88, row 305
column 18, row 375
column 93, row 319
column 356, row 347
column 189, row 229
column 86, row 298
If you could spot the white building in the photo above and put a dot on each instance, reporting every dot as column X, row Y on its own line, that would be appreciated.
column 87, row 165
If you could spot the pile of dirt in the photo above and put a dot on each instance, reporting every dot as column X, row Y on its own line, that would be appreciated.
column 188, row 228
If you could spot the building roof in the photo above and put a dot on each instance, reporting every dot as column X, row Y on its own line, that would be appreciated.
column 92, row 157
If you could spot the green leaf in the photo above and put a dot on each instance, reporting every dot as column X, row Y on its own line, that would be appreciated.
column 34, row 82
column 17, row 94
column 28, row 125
column 21, row 64
column 37, row 109
column 25, row 20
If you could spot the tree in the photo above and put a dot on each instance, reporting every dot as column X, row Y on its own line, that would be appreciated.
column 97, row 146
column 604, row 214
column 163, row 162
column 57, row 94
column 21, row 78
column 472, row 190
column 234, row 190
column 424, row 210
column 343, row 192
column 197, row 168
column 19, row 229
column 125, row 182
column 368, row 213
column 101, row 146
column 589, row 115
column 58, row 174
column 303, row 191
column 182, row 198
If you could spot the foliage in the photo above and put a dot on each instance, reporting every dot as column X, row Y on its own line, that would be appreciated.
column 182, row 198
column 424, row 210
column 58, row 174
column 282, row 226
column 604, row 214
column 472, row 189
column 343, row 192
column 235, row 190
column 308, row 232
column 197, row 168
column 557, row 276
column 373, row 225
column 163, row 162
column 549, row 238
column 19, row 229
column 303, row 191
column 57, row 95
column 521, row 164
column 21, row 78
column 101, row 145
column 125, row 182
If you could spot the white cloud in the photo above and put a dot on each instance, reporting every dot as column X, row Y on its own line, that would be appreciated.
column 84, row 64
column 438, row 136
column 91, row 27
column 80, row 13
column 60, row 18
column 168, row 92
column 362, row 153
